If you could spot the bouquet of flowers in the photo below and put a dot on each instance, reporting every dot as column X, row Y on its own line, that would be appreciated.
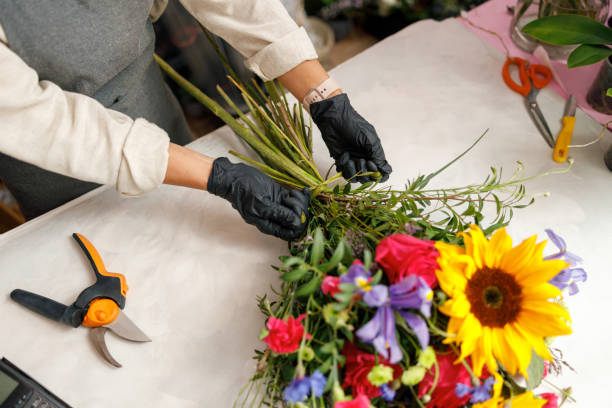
column 398, row 298
column 417, row 323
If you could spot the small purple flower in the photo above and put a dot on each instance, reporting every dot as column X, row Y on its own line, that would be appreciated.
column 461, row 390
column 386, row 392
column 410, row 293
column 317, row 383
column 297, row 391
column 358, row 276
column 570, row 275
column 300, row 388
column 480, row 393
column 563, row 253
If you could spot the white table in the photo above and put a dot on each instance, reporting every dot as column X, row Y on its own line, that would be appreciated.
column 194, row 268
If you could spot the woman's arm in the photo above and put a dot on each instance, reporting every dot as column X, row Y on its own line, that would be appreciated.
column 187, row 168
column 74, row 135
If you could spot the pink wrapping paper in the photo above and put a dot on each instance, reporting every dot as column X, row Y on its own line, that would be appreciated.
column 494, row 15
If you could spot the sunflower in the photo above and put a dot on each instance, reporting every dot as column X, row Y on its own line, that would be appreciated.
column 501, row 306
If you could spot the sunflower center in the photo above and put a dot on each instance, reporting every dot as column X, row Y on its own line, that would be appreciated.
column 494, row 296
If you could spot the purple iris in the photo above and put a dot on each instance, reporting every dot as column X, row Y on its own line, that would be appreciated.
column 411, row 292
column 358, row 276
column 386, row 392
column 480, row 393
column 299, row 389
column 570, row 275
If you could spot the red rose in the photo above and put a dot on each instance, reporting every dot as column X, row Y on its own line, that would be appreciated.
column 552, row 401
column 329, row 286
column 285, row 337
column 450, row 374
column 360, row 402
column 403, row 255
column 357, row 367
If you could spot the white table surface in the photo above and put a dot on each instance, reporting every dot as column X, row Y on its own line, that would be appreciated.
column 194, row 268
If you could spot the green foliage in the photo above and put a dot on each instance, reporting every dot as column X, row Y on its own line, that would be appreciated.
column 535, row 371
column 566, row 29
column 592, row 36
column 588, row 54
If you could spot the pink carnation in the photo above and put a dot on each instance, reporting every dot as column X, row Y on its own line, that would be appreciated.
column 551, row 400
column 285, row 337
column 329, row 286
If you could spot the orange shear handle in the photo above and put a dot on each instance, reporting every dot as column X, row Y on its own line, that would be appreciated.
column 96, row 262
column 524, row 87
column 540, row 75
column 108, row 285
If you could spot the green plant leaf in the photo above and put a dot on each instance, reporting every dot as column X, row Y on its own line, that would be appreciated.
column 309, row 287
column 535, row 371
column 328, row 348
column 609, row 92
column 295, row 274
column 335, row 259
column 317, row 247
column 569, row 30
column 588, row 54
column 292, row 261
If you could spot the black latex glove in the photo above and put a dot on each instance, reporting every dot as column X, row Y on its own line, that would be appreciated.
column 352, row 141
column 262, row 202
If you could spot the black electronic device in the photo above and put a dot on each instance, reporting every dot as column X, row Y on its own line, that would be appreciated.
column 19, row 390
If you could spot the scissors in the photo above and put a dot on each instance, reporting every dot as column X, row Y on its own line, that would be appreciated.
column 97, row 307
column 533, row 77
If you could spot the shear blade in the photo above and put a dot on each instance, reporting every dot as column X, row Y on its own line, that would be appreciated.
column 124, row 327
column 97, row 337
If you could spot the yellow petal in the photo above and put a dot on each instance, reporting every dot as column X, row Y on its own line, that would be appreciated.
column 469, row 334
column 543, row 325
column 543, row 291
column 456, row 307
column 515, row 259
column 483, row 353
column 476, row 245
column 521, row 350
column 540, row 272
column 546, row 309
column 499, row 244
column 536, row 342
column 501, row 349
column 448, row 249
column 451, row 281
column 525, row 400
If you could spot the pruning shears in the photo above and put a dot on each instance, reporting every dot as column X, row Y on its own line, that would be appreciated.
column 98, row 307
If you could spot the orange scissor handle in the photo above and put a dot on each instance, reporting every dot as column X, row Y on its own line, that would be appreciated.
column 101, row 312
column 96, row 262
column 540, row 75
column 525, row 86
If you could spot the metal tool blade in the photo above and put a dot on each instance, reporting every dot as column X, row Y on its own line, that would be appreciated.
column 570, row 106
column 538, row 119
column 124, row 327
column 97, row 337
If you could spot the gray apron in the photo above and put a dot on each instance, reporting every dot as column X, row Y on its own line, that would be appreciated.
column 100, row 48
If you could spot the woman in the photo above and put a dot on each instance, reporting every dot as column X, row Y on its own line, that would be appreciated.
column 83, row 103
